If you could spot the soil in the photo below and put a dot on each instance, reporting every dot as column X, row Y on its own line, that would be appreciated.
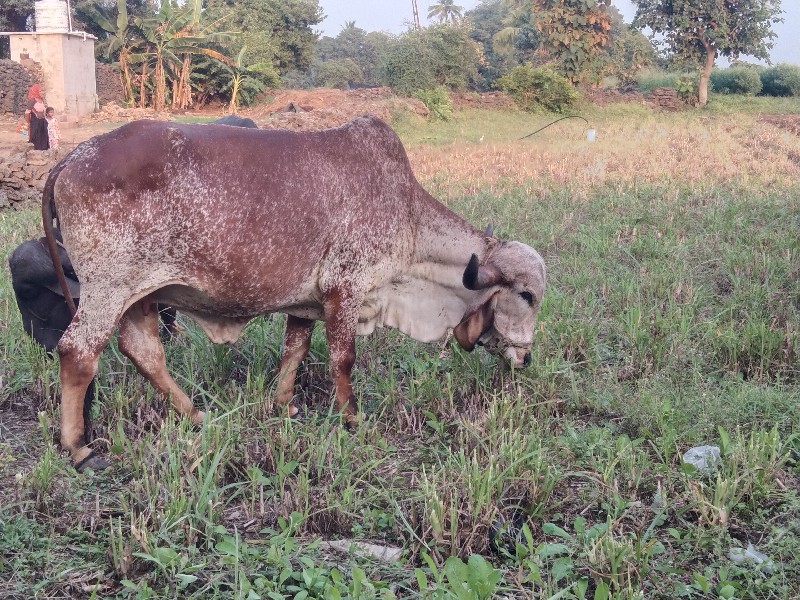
column 790, row 123
column 291, row 109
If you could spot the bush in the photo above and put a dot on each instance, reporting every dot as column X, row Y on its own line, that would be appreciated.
column 424, row 59
column 781, row 80
column 686, row 86
column 536, row 88
column 736, row 80
column 437, row 100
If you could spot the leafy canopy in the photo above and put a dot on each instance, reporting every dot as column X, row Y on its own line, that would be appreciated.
column 731, row 27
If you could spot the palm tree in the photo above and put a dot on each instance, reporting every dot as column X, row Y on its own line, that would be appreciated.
column 446, row 11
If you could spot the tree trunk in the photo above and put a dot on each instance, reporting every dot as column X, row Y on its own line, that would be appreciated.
column 702, row 88
column 126, row 76
column 232, row 109
column 143, row 87
column 186, row 84
column 159, row 96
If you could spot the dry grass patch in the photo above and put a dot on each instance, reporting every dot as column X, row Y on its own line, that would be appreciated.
column 641, row 150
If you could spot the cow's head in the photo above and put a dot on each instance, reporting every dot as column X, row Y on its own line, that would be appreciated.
column 503, row 317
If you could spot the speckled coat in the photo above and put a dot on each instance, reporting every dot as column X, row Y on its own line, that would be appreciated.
column 226, row 223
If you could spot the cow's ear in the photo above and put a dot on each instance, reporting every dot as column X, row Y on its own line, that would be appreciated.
column 475, row 323
column 477, row 277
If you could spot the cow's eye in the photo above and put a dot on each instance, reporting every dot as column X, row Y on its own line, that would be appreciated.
column 528, row 297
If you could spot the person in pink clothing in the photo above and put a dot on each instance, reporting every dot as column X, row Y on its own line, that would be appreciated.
column 53, row 132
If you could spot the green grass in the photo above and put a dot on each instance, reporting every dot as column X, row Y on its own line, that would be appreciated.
column 671, row 320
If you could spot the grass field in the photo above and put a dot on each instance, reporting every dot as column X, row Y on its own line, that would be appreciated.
column 671, row 320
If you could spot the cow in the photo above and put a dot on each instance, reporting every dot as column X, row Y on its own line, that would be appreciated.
column 227, row 224
column 235, row 121
column 40, row 299
column 44, row 310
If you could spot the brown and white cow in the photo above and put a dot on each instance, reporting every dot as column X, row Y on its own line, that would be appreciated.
column 226, row 224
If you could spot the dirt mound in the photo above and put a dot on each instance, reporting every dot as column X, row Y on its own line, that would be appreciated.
column 489, row 100
column 323, row 107
column 603, row 96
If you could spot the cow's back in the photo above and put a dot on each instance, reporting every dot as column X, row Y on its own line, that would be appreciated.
column 218, row 207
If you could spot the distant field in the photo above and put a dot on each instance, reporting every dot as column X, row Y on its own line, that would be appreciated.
column 671, row 320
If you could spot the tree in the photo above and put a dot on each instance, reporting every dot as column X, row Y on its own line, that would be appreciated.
column 426, row 58
column 275, row 31
column 697, row 31
column 506, row 35
column 120, row 40
column 351, row 58
column 15, row 15
column 248, row 79
column 447, row 11
column 574, row 31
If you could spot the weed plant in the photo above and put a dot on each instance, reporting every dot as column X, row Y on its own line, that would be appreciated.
column 670, row 320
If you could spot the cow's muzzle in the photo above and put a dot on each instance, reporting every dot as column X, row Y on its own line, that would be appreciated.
column 514, row 355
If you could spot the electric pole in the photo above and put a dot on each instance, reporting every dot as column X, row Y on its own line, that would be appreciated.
column 416, row 14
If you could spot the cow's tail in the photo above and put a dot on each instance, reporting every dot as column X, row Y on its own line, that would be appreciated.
column 48, row 213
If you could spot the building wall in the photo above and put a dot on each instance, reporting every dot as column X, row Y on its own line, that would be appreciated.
column 67, row 61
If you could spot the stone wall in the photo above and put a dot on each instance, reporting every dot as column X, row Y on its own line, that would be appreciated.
column 14, row 83
column 23, row 174
column 666, row 98
column 109, row 84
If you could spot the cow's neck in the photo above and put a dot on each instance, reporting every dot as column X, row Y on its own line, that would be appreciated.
column 429, row 297
column 445, row 239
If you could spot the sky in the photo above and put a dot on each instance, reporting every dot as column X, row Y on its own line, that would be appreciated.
column 395, row 16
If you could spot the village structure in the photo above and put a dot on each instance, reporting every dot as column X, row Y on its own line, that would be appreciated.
column 60, row 59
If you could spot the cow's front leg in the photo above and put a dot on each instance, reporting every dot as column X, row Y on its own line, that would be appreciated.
column 341, row 317
column 296, row 342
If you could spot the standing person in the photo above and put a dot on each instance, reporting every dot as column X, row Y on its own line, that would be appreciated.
column 37, row 123
column 53, row 132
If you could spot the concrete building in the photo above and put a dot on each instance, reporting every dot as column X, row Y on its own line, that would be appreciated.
column 66, row 59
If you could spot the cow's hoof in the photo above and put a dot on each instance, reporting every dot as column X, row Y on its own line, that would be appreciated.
column 350, row 422
column 292, row 412
column 93, row 462
column 197, row 416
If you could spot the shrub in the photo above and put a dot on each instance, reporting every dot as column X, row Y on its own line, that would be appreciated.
column 437, row 100
column 686, row 86
column 736, row 80
column 781, row 80
column 541, row 87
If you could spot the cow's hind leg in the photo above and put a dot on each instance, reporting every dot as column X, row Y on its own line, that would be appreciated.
column 296, row 342
column 139, row 341
column 79, row 351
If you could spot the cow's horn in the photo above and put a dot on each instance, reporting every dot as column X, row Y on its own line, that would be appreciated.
column 489, row 232
column 478, row 277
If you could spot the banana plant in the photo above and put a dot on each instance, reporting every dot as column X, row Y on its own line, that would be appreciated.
column 122, row 41
column 243, row 76
column 171, row 36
